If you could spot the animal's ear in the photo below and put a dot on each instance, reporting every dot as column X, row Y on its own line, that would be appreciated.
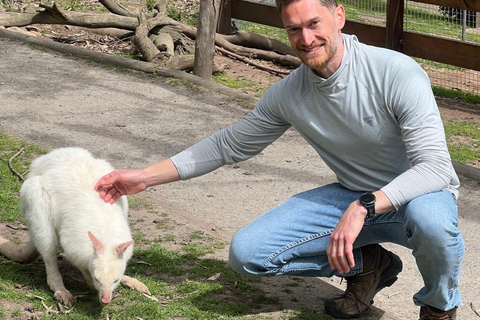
column 97, row 245
column 120, row 249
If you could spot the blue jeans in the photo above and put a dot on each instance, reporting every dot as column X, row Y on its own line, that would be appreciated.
column 292, row 239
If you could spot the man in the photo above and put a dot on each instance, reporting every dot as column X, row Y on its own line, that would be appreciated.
column 371, row 116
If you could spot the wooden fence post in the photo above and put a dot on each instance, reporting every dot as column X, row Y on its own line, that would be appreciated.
column 205, row 40
column 394, row 27
column 224, row 25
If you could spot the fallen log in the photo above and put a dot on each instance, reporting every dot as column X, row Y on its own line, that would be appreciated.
column 123, row 24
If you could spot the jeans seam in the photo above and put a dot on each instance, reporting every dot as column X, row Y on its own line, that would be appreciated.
column 452, row 290
column 292, row 245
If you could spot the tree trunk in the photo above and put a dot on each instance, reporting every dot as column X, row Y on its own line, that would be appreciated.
column 205, row 41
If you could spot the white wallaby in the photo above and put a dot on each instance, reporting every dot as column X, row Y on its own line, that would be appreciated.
column 62, row 210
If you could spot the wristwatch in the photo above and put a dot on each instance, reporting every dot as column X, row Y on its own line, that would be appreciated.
column 368, row 201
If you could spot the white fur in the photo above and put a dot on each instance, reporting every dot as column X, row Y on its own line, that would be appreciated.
column 61, row 207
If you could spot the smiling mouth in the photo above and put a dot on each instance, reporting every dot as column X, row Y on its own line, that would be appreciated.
column 313, row 49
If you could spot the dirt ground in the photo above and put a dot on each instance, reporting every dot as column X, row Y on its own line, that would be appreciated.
column 188, row 218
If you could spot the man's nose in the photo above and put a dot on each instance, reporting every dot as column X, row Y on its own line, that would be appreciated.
column 307, row 37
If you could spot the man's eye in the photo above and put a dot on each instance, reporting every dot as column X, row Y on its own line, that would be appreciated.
column 292, row 30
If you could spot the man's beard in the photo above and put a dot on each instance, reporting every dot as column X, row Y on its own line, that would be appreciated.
column 321, row 59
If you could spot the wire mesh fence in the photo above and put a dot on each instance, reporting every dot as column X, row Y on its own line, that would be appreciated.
column 440, row 21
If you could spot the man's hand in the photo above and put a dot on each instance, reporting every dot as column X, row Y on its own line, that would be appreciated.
column 340, row 247
column 119, row 183
column 124, row 182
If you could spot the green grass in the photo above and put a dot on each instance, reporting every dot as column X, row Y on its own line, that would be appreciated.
column 10, row 184
column 455, row 94
column 179, row 279
column 186, row 84
column 225, row 80
column 189, row 16
column 180, row 284
column 186, row 282
column 463, row 138
column 238, row 83
column 73, row 5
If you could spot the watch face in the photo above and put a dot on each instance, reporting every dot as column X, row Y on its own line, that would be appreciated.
column 367, row 198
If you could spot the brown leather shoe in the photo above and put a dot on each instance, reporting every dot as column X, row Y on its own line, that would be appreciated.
column 426, row 313
column 380, row 270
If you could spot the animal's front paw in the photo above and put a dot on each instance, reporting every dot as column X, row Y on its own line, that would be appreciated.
column 64, row 296
column 135, row 284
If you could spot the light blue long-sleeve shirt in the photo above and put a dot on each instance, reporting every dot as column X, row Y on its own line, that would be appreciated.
column 374, row 122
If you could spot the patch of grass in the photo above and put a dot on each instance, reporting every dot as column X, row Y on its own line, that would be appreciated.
column 186, row 84
column 135, row 202
column 129, row 55
column 15, row 6
column 464, row 154
column 162, row 224
column 200, row 235
column 170, row 237
column 306, row 315
column 189, row 16
column 225, row 80
column 180, row 283
column 455, row 94
column 267, row 31
column 463, row 139
column 455, row 127
column 238, row 83
column 9, row 192
column 150, row 4
column 73, row 5
column 138, row 237
column 428, row 64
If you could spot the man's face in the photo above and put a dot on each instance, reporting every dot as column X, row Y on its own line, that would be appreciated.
column 314, row 33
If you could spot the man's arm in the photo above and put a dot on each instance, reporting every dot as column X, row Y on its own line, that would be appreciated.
column 410, row 99
column 340, row 247
column 238, row 142
column 125, row 182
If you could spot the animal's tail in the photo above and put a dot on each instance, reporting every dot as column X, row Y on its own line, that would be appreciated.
column 25, row 253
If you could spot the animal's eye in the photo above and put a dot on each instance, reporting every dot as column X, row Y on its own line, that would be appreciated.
column 96, row 279
column 116, row 281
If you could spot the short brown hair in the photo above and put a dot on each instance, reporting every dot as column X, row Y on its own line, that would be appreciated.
column 332, row 4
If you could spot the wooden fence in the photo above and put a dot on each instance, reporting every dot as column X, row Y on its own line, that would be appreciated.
column 452, row 52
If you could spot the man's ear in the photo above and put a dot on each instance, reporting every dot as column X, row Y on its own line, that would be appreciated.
column 339, row 14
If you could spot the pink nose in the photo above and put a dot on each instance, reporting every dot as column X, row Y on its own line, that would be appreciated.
column 105, row 299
